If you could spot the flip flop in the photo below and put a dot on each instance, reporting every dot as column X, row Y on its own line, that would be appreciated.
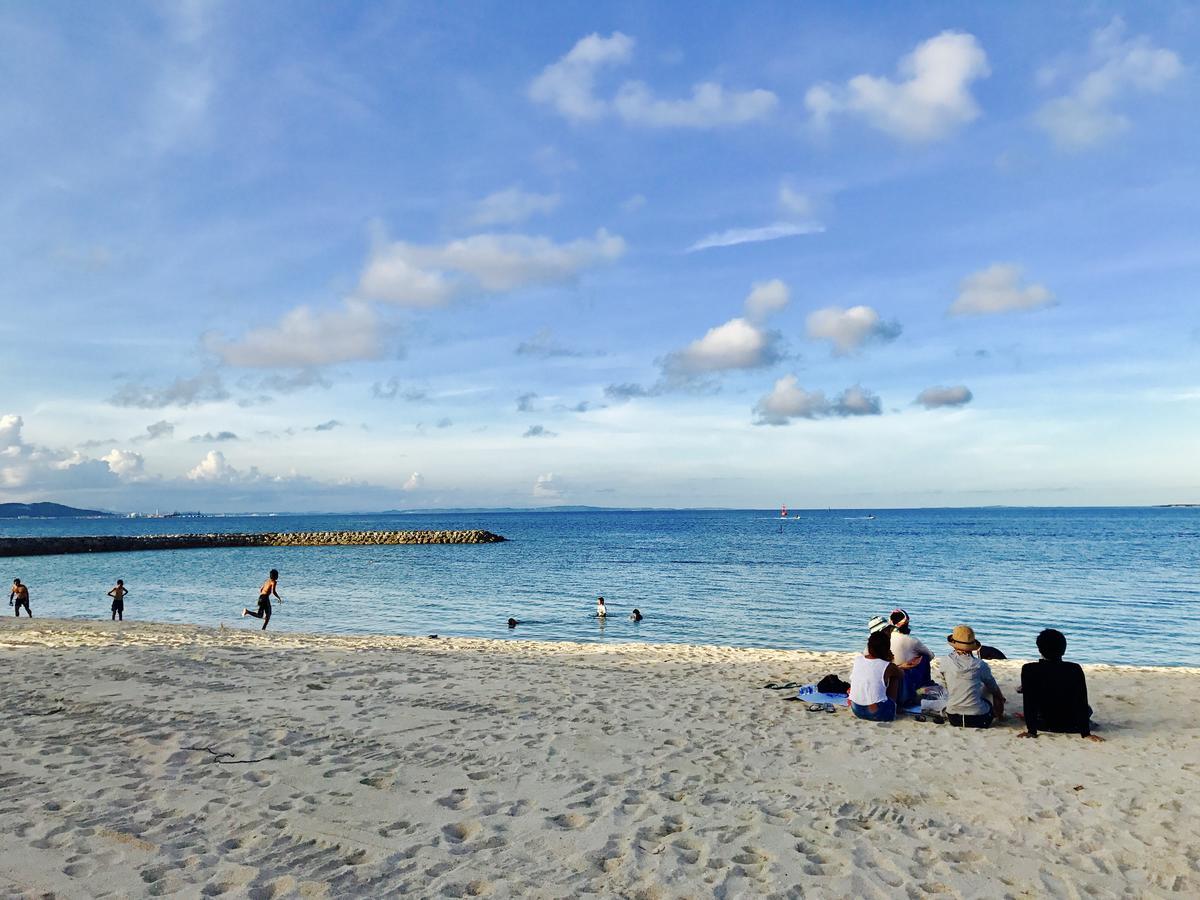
column 772, row 686
column 816, row 707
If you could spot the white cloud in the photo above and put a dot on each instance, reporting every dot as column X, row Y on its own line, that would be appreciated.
column 633, row 203
column 539, row 431
column 738, row 344
column 710, row 106
column 125, row 464
column 568, row 84
column 28, row 467
column 1084, row 116
column 525, row 402
column 304, row 337
column 849, row 329
column 547, row 487
column 734, row 236
column 930, row 99
column 998, row 289
column 938, row 397
column 214, row 468
column 431, row 275
column 511, row 206
column 857, row 401
column 766, row 298
column 415, row 482
column 787, row 400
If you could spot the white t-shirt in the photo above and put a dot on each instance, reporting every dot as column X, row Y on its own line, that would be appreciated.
column 866, row 681
column 905, row 647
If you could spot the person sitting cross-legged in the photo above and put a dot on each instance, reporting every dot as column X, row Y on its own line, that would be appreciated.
column 1055, row 691
column 875, row 680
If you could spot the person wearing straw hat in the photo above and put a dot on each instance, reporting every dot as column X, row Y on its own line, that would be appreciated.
column 968, row 679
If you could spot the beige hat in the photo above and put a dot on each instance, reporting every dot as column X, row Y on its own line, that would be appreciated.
column 963, row 638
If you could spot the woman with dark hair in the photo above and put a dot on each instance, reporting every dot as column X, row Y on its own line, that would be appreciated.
column 1055, row 691
column 875, row 681
column 911, row 657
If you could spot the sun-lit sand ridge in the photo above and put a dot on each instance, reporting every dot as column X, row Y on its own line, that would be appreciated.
column 514, row 769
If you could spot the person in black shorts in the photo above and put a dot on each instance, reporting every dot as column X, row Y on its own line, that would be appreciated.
column 118, row 597
column 269, row 587
column 20, row 594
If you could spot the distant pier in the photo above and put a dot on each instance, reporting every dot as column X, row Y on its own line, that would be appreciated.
column 49, row 546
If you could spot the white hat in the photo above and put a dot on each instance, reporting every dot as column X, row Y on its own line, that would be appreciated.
column 877, row 624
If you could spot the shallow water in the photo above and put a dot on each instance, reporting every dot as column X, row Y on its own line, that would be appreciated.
column 1123, row 584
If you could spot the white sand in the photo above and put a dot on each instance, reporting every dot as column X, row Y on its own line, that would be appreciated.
column 512, row 769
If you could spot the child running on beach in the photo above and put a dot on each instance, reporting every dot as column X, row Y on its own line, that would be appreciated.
column 19, row 593
column 269, row 587
column 118, row 600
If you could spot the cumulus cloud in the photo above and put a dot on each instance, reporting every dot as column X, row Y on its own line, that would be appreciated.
column 215, row 469
column 998, row 289
column 206, row 387
column 28, row 466
column 939, row 397
column 929, row 100
column 850, row 329
column 547, row 487
column 787, row 400
column 569, row 86
column 512, row 206
column 432, row 275
column 213, row 438
column 306, row 338
column 738, row 344
column 415, row 482
column 1121, row 69
column 125, row 464
column 538, row 431
column 525, row 402
column 734, row 236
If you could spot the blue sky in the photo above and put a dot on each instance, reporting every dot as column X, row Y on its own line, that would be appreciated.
column 337, row 257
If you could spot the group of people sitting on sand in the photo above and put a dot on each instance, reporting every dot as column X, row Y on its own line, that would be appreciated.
column 895, row 666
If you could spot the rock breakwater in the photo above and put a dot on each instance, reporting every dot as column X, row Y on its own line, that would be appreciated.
column 48, row 546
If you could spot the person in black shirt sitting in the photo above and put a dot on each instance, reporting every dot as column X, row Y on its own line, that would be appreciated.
column 1055, row 691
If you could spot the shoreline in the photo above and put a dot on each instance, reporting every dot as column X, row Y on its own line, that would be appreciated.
column 129, row 631
column 143, row 759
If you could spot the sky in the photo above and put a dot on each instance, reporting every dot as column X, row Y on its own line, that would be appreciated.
column 354, row 257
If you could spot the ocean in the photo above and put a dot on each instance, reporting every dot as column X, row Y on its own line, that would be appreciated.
column 1123, row 584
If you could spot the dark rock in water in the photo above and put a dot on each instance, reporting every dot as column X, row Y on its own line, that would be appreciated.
column 45, row 546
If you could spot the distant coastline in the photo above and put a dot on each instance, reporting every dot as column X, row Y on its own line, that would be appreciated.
column 49, row 511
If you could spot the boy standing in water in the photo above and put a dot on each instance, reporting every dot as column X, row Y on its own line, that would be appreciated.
column 20, row 593
column 118, row 600
column 269, row 587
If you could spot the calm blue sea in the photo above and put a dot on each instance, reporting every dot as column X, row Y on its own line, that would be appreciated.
column 1123, row 584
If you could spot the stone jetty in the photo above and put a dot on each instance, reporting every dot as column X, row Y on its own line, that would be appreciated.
column 107, row 543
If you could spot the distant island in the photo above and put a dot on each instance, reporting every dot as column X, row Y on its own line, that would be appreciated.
column 48, row 511
column 1177, row 505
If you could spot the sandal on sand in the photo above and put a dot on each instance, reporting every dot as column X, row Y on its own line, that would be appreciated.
column 772, row 686
column 822, row 707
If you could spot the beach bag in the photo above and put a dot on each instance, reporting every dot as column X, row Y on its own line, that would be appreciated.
column 831, row 684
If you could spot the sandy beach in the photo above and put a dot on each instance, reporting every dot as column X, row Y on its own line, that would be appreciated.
column 462, row 767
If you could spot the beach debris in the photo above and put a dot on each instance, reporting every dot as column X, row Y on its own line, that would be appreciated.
column 223, row 757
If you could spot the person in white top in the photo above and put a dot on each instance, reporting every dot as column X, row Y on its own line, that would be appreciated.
column 601, row 612
column 875, row 681
column 911, row 656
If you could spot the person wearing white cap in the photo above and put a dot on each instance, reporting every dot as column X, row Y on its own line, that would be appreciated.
column 877, row 623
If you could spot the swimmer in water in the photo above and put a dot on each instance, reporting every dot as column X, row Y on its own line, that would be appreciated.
column 513, row 623
column 269, row 587
column 118, row 600
column 636, row 615
column 601, row 612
